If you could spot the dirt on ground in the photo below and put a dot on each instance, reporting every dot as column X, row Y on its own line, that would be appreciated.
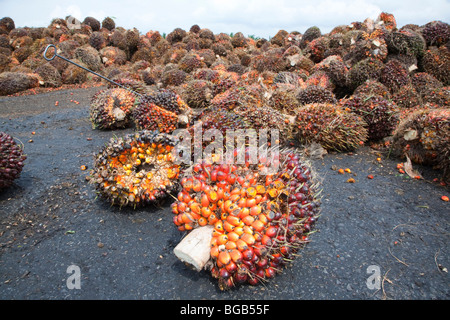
column 391, row 226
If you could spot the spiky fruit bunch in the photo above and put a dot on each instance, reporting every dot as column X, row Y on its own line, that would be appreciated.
column 335, row 68
column 407, row 97
column 315, row 94
column 111, row 108
column 394, row 75
column 93, row 23
column 380, row 114
column 367, row 69
column 310, row 34
column 191, row 61
column 436, row 61
column 333, row 127
column 372, row 88
column 11, row 160
column 164, row 111
column 198, row 93
column 387, row 20
column 108, row 23
column 137, row 169
column 260, row 220
column 283, row 98
column 406, row 42
column 424, row 136
column 436, row 33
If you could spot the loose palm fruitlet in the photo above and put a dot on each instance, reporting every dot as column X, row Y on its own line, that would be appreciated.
column 137, row 169
column 111, row 109
column 260, row 220
column 11, row 160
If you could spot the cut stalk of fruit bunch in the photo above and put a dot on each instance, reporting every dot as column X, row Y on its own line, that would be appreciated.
column 257, row 221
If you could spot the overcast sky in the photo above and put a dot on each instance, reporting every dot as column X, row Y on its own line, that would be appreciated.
column 262, row 18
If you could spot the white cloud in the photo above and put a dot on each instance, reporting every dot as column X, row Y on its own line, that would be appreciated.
column 253, row 17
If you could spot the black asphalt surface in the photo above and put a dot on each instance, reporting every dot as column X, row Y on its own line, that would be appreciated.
column 50, row 219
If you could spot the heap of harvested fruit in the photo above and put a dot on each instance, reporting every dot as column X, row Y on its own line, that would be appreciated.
column 164, row 111
column 333, row 127
column 260, row 217
column 424, row 136
column 111, row 108
column 137, row 169
column 11, row 160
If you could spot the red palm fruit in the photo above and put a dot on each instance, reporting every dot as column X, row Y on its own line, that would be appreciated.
column 258, row 226
column 260, row 272
column 253, row 280
column 269, row 272
column 285, row 250
column 231, row 267
column 181, row 207
column 215, row 272
column 204, row 200
column 240, row 277
column 271, row 231
column 223, row 273
column 241, row 244
column 247, row 254
column 231, row 179
column 187, row 186
column 181, row 228
column 266, row 241
column 175, row 221
column 260, row 250
column 226, row 205
column 224, row 257
column 236, row 255
column 221, row 176
column 220, row 192
column 262, row 263
column 248, row 238
column 242, row 202
column 213, row 175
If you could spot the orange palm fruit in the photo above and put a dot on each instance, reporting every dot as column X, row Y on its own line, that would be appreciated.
column 232, row 236
column 205, row 212
column 248, row 220
column 257, row 225
column 234, row 221
column 250, row 202
column 222, row 239
column 202, row 221
column 236, row 255
column 230, row 245
column 238, row 230
column 204, row 200
column 241, row 244
column 255, row 210
column 228, row 227
column 248, row 238
column 224, row 257
column 212, row 196
column 219, row 226
column 244, row 212
column 214, row 252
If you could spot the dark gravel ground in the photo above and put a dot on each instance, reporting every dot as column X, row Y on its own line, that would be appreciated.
column 51, row 219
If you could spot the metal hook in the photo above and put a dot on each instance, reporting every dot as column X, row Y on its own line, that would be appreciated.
column 55, row 54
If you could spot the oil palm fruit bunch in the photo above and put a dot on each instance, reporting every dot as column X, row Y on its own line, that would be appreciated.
column 380, row 114
column 330, row 125
column 164, row 111
column 315, row 94
column 112, row 108
column 137, row 169
column 11, row 160
column 260, row 220
column 424, row 136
